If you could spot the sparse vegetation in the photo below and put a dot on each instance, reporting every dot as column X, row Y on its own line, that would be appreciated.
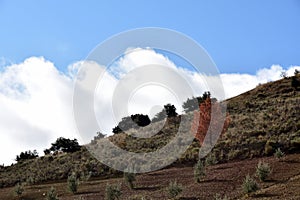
column 261, row 121
column 19, row 189
column 112, row 192
column 174, row 189
column 249, row 185
column 278, row 153
column 199, row 171
column 263, row 171
column 73, row 183
column 211, row 159
column 51, row 194
column 129, row 179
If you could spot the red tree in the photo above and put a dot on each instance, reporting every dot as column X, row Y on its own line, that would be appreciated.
column 209, row 118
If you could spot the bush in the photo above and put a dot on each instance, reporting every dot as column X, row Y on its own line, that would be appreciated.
column 129, row 179
column 84, row 177
column 270, row 145
column 19, row 189
column 65, row 145
column 132, row 121
column 73, row 183
column 278, row 153
column 112, row 192
column 174, row 189
column 263, row 170
column 51, row 194
column 211, row 159
column 199, row 171
column 249, row 185
column 27, row 155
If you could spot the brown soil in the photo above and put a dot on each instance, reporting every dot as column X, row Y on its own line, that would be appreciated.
column 224, row 179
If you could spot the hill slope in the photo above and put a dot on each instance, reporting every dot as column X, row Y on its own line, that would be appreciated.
column 262, row 120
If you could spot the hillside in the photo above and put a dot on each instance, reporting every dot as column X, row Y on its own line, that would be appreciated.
column 262, row 120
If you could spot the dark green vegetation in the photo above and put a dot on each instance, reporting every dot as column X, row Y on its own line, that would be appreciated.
column 27, row 155
column 63, row 145
column 131, row 122
column 263, row 120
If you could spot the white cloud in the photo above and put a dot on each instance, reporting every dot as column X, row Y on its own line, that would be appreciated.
column 235, row 84
column 36, row 99
column 35, row 107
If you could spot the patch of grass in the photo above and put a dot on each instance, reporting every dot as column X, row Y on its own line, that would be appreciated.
column 263, row 171
column 174, row 189
column 199, row 171
column 129, row 179
column 112, row 192
column 249, row 185
column 73, row 183
column 19, row 189
column 52, row 195
column 211, row 159
column 278, row 153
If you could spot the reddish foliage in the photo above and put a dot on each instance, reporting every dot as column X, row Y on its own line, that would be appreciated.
column 202, row 119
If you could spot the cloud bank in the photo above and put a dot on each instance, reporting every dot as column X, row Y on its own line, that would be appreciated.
column 36, row 98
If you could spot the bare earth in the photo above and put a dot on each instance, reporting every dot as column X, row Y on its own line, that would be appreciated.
column 224, row 179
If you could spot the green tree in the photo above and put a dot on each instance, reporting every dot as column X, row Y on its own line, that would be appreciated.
column 295, row 83
column 65, row 145
column 168, row 111
column 193, row 103
column 131, row 122
column 27, row 155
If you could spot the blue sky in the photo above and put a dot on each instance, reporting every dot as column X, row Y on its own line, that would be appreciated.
column 240, row 36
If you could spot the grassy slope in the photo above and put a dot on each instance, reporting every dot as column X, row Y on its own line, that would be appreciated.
column 263, row 119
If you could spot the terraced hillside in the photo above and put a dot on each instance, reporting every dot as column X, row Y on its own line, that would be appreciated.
column 262, row 120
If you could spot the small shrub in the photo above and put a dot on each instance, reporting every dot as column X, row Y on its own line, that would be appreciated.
column 249, row 185
column 84, row 177
column 73, row 183
column 199, row 171
column 30, row 180
column 211, row 159
column 51, row 194
column 269, row 147
column 112, row 192
column 129, row 179
column 19, row 189
column 219, row 197
column 278, row 153
column 174, row 189
column 263, row 170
